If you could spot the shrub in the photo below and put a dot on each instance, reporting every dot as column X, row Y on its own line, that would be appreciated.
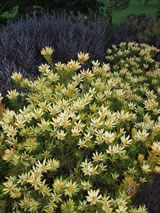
column 21, row 43
column 141, row 29
column 83, row 142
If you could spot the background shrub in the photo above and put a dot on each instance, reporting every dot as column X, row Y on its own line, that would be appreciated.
column 139, row 28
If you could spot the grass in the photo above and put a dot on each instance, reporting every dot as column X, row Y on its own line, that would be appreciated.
column 137, row 7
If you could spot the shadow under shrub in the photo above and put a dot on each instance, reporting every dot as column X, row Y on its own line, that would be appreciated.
column 149, row 195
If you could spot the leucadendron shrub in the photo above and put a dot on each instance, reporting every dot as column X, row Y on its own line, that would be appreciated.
column 83, row 140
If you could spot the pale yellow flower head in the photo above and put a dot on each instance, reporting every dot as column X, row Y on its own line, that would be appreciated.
column 44, row 68
column 13, row 94
column 16, row 77
column 47, row 51
column 93, row 197
column 82, row 57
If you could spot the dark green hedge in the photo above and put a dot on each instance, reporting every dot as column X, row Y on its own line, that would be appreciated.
column 11, row 10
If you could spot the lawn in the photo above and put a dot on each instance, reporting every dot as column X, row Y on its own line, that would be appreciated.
column 137, row 7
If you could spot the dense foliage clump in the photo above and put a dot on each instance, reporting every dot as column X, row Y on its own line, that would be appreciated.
column 82, row 140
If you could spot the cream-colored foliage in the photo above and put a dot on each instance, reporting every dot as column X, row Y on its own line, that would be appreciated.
column 82, row 132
